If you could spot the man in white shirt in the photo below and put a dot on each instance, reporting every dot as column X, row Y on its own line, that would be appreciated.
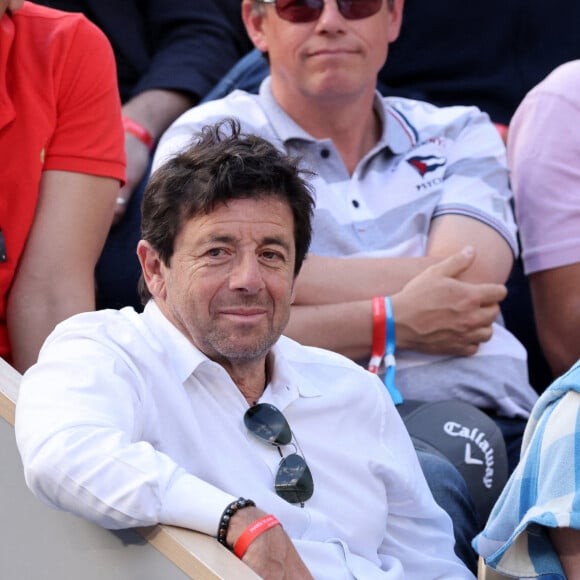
column 132, row 419
column 400, row 185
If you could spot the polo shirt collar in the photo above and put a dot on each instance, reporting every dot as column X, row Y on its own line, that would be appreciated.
column 398, row 134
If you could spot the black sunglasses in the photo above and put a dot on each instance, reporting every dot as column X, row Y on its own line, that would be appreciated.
column 293, row 480
column 310, row 10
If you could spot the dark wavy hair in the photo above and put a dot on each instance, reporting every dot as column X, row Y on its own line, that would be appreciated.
column 222, row 164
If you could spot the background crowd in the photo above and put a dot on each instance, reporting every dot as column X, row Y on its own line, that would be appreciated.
column 460, row 85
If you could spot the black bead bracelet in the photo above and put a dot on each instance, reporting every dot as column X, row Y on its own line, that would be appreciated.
column 224, row 524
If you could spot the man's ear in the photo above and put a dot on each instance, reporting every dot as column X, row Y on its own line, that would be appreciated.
column 253, row 20
column 396, row 13
column 153, row 269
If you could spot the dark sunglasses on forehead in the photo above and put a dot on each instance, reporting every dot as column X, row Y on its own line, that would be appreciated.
column 310, row 10
column 293, row 479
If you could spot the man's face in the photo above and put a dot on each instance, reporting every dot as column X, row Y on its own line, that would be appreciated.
column 230, row 284
column 330, row 57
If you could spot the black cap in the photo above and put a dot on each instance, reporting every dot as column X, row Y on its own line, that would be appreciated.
column 468, row 438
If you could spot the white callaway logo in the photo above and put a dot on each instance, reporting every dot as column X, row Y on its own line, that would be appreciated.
column 478, row 437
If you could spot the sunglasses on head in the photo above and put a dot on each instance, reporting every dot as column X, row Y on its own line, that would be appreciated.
column 310, row 10
column 293, row 480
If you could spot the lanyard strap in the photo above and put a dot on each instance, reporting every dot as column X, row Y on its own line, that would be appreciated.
column 390, row 362
column 383, row 348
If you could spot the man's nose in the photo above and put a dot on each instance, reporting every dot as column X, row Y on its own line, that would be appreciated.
column 331, row 18
column 246, row 274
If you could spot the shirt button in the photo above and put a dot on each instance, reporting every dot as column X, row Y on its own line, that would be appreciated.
column 324, row 153
column 355, row 203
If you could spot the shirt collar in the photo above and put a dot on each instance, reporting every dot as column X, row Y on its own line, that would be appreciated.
column 185, row 357
column 398, row 134
column 286, row 383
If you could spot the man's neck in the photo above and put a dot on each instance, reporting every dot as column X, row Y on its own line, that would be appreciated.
column 352, row 124
column 251, row 378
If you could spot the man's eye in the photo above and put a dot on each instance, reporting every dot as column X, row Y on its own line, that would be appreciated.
column 271, row 255
column 215, row 252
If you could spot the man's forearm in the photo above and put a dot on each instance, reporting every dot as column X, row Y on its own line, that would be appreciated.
column 434, row 313
column 156, row 109
column 325, row 280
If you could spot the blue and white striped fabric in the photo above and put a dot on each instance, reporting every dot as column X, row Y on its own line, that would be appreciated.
column 544, row 490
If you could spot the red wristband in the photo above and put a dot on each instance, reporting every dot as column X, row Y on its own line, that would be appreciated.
column 379, row 333
column 137, row 130
column 255, row 529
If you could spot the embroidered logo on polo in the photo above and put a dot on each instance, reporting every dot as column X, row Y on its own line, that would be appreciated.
column 423, row 164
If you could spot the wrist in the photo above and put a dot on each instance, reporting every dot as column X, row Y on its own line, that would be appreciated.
column 239, row 522
column 252, row 532
column 379, row 334
column 228, row 515
column 404, row 333
column 139, row 131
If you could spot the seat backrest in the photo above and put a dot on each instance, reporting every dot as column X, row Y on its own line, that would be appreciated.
column 40, row 542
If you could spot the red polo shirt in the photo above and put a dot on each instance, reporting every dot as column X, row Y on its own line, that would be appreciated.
column 59, row 110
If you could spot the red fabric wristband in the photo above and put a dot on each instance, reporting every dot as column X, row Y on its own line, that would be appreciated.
column 138, row 131
column 255, row 529
column 379, row 334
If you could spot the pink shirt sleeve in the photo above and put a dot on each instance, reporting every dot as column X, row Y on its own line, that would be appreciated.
column 544, row 157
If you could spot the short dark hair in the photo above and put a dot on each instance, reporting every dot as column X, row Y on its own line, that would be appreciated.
column 222, row 164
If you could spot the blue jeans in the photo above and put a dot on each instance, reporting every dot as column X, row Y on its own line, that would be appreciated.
column 451, row 493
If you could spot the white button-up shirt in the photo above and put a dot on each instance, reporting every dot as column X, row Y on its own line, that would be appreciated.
column 124, row 422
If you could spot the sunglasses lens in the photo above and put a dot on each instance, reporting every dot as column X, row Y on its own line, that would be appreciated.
column 299, row 10
column 310, row 10
column 266, row 422
column 294, row 480
column 357, row 9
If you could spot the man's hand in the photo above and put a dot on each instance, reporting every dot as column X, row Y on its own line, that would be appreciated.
column 438, row 314
column 272, row 554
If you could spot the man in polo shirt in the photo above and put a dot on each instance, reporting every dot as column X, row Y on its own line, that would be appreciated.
column 61, row 144
column 400, row 186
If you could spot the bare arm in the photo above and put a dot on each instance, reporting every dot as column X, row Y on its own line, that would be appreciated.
column 435, row 313
column 556, row 302
column 55, row 277
column 326, row 280
column 494, row 258
column 567, row 544
column 155, row 110
column 446, row 310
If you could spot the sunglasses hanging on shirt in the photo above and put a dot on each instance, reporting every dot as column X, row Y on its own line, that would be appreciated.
column 293, row 480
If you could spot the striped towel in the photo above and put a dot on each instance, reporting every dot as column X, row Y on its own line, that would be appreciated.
column 544, row 490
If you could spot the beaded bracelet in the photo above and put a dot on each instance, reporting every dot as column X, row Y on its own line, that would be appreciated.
column 232, row 508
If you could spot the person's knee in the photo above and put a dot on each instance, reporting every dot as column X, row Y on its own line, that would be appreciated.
column 445, row 482
column 450, row 491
